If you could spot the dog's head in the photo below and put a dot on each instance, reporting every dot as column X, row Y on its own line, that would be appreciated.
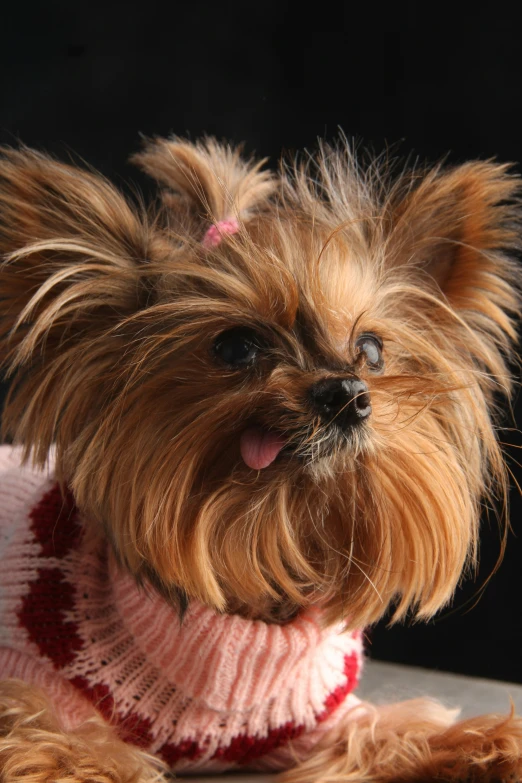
column 271, row 391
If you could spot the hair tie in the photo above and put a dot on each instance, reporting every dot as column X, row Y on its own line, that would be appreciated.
column 215, row 233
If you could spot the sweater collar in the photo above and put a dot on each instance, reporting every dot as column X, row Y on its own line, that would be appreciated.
column 226, row 661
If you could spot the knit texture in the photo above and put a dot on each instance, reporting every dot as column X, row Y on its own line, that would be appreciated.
column 212, row 692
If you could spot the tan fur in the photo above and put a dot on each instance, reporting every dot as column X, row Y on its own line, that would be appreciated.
column 34, row 748
column 108, row 312
column 415, row 742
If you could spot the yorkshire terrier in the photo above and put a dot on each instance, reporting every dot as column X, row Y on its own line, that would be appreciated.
column 246, row 421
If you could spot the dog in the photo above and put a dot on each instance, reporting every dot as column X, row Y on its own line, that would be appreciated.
column 246, row 420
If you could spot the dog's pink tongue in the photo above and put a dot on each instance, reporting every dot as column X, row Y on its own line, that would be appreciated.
column 260, row 447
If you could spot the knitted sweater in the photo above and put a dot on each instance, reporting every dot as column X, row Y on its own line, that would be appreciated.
column 212, row 692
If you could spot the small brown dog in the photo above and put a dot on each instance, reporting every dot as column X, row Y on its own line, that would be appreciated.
column 269, row 402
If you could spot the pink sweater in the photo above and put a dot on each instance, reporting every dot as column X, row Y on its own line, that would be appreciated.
column 213, row 692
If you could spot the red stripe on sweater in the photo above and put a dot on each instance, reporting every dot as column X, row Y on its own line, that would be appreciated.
column 351, row 670
column 42, row 614
column 244, row 749
column 131, row 728
column 171, row 753
column 54, row 523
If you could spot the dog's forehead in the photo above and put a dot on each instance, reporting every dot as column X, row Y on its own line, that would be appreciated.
column 335, row 281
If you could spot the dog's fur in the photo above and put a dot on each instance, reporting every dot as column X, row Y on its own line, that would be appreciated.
column 107, row 309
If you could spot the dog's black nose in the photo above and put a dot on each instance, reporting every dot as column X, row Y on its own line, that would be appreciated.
column 343, row 401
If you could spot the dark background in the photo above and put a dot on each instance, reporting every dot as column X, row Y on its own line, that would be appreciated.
column 89, row 77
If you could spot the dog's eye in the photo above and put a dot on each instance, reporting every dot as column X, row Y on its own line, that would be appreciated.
column 237, row 347
column 371, row 346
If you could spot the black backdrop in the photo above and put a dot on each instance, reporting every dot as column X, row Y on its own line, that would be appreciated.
column 89, row 77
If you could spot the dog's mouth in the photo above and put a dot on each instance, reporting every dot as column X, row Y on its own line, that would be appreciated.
column 260, row 446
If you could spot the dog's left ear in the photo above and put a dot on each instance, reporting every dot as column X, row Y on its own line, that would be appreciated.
column 459, row 229
column 205, row 181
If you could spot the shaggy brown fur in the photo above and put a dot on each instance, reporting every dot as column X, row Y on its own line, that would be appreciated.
column 107, row 310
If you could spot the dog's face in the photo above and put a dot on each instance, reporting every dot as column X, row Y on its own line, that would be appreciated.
column 297, row 412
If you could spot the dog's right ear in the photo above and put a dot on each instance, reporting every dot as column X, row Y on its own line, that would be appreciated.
column 207, row 181
column 71, row 251
column 72, row 257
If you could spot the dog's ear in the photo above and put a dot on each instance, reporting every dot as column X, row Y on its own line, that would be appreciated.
column 206, row 181
column 71, row 251
column 460, row 228
column 71, row 248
